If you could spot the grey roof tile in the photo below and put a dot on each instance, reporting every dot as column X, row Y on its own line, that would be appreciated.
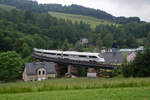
column 31, row 68
column 113, row 57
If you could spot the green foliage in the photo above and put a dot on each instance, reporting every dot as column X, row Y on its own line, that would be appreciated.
column 72, row 9
column 140, row 67
column 108, row 40
column 66, row 46
column 115, row 72
column 21, row 31
column 77, row 18
column 127, row 69
column 26, row 50
column 7, row 7
column 11, row 65
column 147, row 41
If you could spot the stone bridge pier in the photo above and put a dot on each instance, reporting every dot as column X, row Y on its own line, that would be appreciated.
column 74, row 72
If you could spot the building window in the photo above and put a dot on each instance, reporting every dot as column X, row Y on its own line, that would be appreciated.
column 39, row 72
column 43, row 72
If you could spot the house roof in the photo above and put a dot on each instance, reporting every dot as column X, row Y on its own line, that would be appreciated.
column 114, row 57
column 31, row 68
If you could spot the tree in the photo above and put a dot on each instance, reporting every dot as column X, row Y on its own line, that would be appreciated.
column 147, row 41
column 66, row 46
column 11, row 65
column 140, row 67
column 26, row 50
column 108, row 40
column 131, row 42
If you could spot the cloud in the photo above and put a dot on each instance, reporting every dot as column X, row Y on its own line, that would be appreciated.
column 139, row 8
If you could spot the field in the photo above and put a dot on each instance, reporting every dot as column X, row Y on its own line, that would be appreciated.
column 6, row 7
column 90, row 20
column 78, row 89
column 142, row 93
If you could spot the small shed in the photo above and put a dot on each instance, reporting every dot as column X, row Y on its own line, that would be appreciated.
column 39, row 71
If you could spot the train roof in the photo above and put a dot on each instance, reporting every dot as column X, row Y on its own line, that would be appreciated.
column 47, row 51
column 67, row 52
column 80, row 53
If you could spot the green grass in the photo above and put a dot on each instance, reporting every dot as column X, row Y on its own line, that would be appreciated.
column 90, row 20
column 135, row 93
column 6, row 7
column 72, row 84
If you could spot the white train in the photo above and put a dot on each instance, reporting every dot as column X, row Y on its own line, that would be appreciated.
column 72, row 55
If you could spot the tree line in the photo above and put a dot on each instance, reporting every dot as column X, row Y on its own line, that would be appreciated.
column 72, row 9
column 22, row 31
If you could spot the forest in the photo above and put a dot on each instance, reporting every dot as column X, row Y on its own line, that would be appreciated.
column 72, row 9
column 21, row 31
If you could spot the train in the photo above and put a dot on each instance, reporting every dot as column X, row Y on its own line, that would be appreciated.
column 71, row 55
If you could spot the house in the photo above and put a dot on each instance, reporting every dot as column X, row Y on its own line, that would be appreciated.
column 39, row 71
column 131, row 57
column 112, row 57
column 84, row 41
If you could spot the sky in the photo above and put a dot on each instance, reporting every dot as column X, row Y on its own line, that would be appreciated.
column 128, row 8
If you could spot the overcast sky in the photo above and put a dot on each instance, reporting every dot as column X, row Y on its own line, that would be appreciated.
column 140, row 8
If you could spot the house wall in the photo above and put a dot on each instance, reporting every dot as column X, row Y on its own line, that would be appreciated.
column 35, row 77
column 30, row 78
column 51, row 75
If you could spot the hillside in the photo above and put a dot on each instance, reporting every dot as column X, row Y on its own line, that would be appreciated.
column 6, row 7
column 25, row 29
column 77, row 18
column 72, row 9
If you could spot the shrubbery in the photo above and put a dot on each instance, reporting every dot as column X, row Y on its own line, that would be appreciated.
column 140, row 67
column 11, row 66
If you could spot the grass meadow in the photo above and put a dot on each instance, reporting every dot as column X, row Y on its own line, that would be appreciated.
column 78, row 89
column 6, row 7
column 86, row 19
column 72, row 84
column 134, row 93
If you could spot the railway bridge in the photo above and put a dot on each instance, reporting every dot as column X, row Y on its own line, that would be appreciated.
column 73, row 64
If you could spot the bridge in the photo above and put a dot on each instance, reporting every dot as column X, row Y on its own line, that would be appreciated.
column 75, row 63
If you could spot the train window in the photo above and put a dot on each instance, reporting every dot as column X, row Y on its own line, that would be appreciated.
column 82, row 56
column 92, row 57
column 58, row 54
column 38, row 52
column 65, row 55
column 50, row 53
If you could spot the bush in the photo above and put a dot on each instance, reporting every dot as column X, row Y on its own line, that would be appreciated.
column 140, row 67
column 115, row 72
column 127, row 69
column 11, row 66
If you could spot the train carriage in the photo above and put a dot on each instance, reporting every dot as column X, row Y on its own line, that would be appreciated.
column 72, row 55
